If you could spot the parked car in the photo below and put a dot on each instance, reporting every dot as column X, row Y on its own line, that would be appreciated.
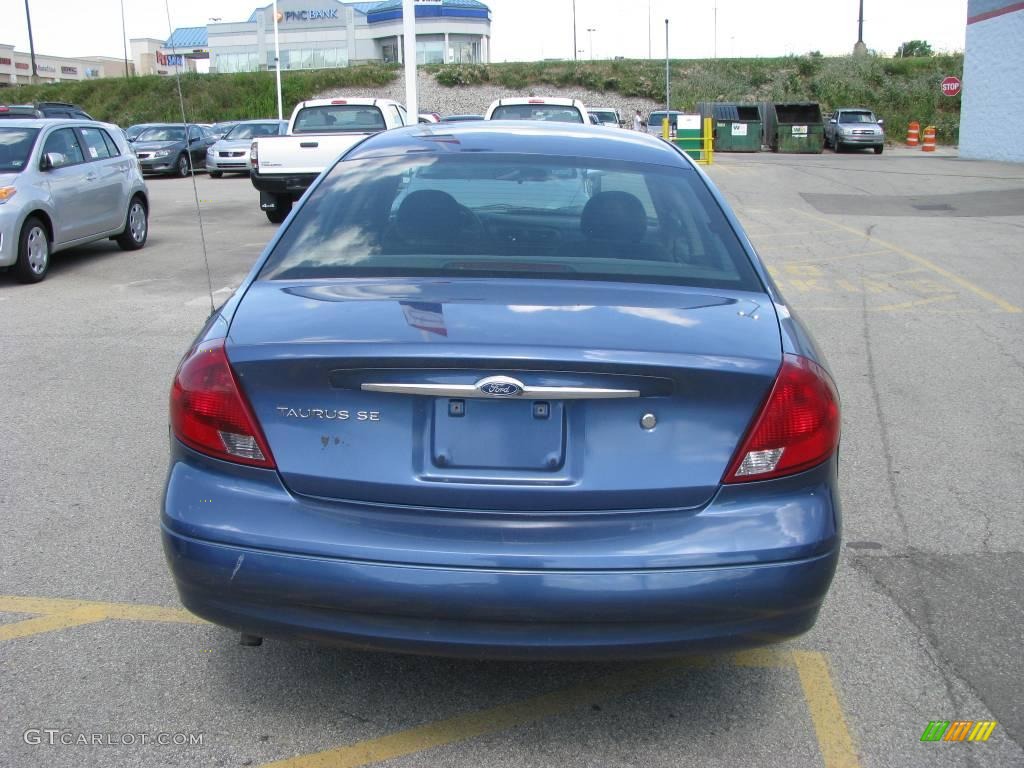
column 655, row 119
column 461, row 118
column 133, row 131
column 538, row 108
column 854, row 128
column 172, row 148
column 231, row 152
column 607, row 116
column 515, row 393
column 318, row 132
column 43, row 109
column 65, row 183
column 220, row 130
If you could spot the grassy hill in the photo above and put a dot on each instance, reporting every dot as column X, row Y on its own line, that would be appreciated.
column 899, row 90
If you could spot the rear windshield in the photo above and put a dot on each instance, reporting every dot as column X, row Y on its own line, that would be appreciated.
column 15, row 147
column 339, row 118
column 250, row 130
column 549, row 112
column 168, row 133
column 512, row 215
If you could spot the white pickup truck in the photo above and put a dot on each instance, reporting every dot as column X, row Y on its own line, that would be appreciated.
column 319, row 131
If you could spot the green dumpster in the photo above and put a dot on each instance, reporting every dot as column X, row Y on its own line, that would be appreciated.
column 737, row 127
column 688, row 133
column 796, row 128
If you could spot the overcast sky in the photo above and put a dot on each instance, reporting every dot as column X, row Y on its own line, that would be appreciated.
column 536, row 29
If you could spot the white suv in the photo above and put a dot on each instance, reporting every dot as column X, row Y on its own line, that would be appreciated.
column 539, row 108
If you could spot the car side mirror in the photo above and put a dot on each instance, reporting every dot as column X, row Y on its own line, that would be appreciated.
column 51, row 160
column 832, row 121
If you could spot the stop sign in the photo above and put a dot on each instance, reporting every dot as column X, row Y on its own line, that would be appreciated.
column 951, row 86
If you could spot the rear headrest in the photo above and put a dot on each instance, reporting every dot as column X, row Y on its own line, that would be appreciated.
column 430, row 214
column 617, row 216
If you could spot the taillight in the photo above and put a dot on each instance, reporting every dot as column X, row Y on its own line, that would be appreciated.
column 209, row 412
column 254, row 157
column 797, row 428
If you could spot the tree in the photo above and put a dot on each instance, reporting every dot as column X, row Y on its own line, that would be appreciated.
column 914, row 48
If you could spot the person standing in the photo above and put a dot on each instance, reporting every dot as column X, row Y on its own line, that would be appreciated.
column 638, row 122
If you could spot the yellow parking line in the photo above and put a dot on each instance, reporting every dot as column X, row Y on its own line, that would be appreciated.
column 830, row 727
column 59, row 613
column 834, row 740
column 963, row 282
column 501, row 718
column 51, row 622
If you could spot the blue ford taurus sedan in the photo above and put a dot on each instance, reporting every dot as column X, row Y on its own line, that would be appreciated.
column 506, row 390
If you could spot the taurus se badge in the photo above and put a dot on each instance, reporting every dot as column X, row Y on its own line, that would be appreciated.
column 500, row 386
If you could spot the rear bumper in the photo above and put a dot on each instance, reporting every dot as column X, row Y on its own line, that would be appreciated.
column 292, row 186
column 750, row 568
column 497, row 614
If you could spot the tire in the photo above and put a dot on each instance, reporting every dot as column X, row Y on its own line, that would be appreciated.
column 879, row 149
column 181, row 167
column 33, row 252
column 281, row 211
column 136, row 226
column 216, row 174
column 838, row 147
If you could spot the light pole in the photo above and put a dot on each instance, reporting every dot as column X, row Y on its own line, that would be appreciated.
column 716, row 30
column 31, row 45
column 574, row 51
column 124, row 41
column 590, row 33
column 668, row 85
column 277, row 65
column 649, row 52
column 409, row 32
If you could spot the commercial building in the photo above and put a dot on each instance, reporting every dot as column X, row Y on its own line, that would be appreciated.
column 316, row 34
column 16, row 67
column 992, row 108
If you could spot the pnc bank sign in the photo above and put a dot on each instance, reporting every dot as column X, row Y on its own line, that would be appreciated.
column 311, row 14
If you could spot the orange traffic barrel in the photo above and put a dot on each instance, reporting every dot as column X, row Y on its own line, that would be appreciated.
column 913, row 133
column 929, row 139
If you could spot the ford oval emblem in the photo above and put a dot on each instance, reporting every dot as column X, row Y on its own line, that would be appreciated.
column 500, row 386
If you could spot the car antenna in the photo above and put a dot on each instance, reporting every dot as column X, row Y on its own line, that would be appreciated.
column 191, row 166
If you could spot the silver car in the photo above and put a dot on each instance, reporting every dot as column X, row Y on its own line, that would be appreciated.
column 231, row 153
column 65, row 183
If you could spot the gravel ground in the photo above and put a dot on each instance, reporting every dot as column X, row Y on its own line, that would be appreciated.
column 474, row 99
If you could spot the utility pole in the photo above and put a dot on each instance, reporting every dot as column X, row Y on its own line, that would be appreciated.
column 31, row 45
column 573, row 32
column 124, row 41
column 860, row 48
column 590, row 32
column 716, row 30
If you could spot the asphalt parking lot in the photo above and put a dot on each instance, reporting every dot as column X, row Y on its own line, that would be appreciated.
column 908, row 270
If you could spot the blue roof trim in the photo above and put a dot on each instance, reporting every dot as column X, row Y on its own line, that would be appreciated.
column 187, row 37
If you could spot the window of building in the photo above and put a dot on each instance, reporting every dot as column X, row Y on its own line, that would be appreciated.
column 430, row 51
column 464, row 52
